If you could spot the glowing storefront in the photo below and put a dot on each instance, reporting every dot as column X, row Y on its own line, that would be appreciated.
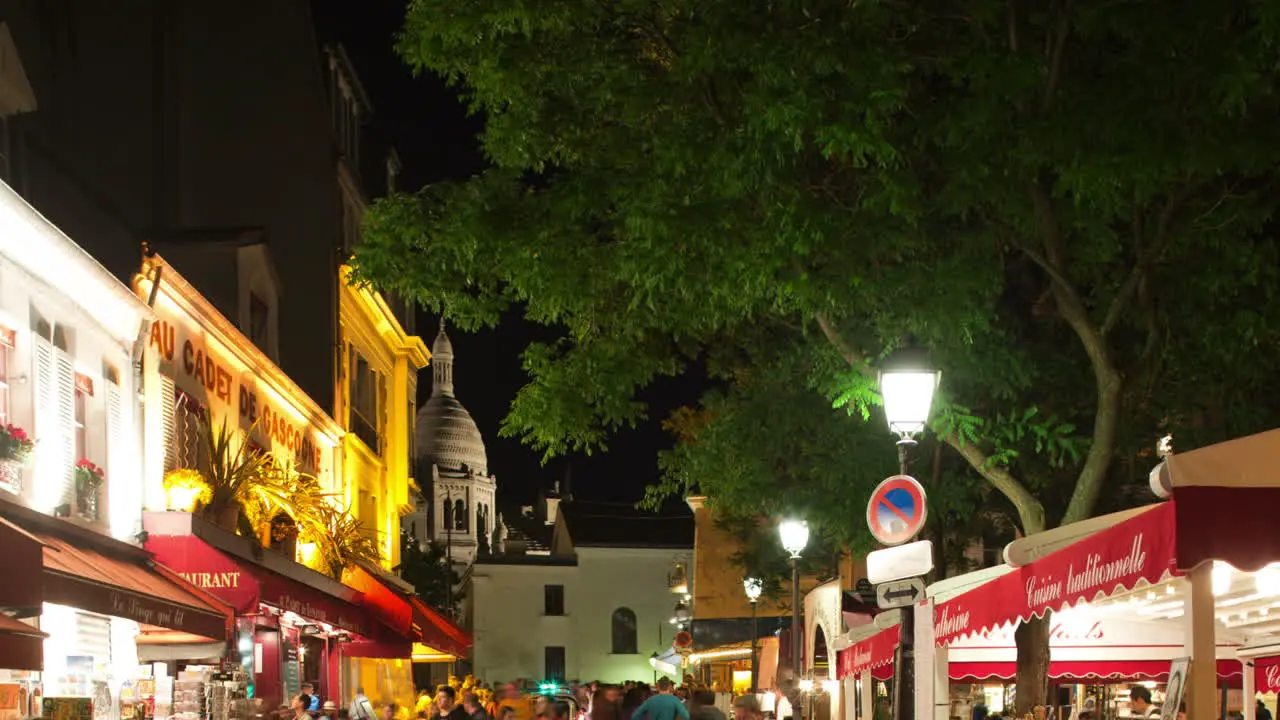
column 295, row 624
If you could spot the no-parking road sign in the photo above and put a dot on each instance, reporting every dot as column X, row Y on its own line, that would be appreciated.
column 897, row 510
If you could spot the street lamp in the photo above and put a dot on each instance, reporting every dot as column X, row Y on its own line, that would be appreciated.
column 795, row 536
column 907, row 383
column 753, row 586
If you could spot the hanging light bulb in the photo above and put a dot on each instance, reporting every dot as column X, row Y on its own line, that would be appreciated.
column 1220, row 578
column 1267, row 580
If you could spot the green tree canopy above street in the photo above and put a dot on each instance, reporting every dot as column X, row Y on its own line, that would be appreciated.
column 1067, row 203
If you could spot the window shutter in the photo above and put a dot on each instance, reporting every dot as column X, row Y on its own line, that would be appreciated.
column 93, row 636
column 67, row 425
column 116, row 449
column 168, row 422
column 47, row 455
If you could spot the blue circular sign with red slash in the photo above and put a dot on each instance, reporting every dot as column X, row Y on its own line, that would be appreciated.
column 897, row 510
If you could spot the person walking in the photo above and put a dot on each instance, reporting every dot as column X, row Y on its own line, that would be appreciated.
column 747, row 707
column 702, row 706
column 604, row 705
column 663, row 706
column 475, row 709
column 361, row 708
column 447, row 707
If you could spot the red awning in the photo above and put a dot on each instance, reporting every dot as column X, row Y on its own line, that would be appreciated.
column 83, row 569
column 1266, row 672
column 384, row 603
column 1082, row 671
column 383, row 649
column 243, row 584
column 870, row 653
column 21, row 646
column 437, row 632
column 87, row 578
column 1142, row 548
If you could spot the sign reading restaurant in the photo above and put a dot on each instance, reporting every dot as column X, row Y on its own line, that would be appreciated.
column 200, row 368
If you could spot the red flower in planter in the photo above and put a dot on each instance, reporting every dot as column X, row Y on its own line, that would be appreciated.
column 83, row 465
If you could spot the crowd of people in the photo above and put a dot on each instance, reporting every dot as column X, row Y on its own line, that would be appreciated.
column 587, row 701
column 470, row 699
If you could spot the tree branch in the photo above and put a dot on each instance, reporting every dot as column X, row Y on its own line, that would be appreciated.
column 1030, row 511
column 1146, row 256
column 1056, row 49
column 856, row 360
column 1106, row 417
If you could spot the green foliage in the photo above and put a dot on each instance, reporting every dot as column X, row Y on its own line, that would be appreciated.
column 786, row 191
column 426, row 569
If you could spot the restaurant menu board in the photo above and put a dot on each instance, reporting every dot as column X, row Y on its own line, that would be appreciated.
column 67, row 708
column 292, row 681
column 13, row 701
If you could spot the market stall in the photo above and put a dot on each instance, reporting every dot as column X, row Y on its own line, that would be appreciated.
column 1201, row 563
column 86, row 600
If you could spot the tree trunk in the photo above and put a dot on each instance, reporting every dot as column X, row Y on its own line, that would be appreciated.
column 1032, row 639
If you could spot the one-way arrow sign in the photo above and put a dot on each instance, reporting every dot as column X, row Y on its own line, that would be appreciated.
column 899, row 594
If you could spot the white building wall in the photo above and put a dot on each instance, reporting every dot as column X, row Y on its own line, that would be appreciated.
column 511, row 632
column 47, row 280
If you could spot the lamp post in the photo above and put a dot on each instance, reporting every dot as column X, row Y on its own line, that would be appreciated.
column 907, row 383
column 753, row 586
column 795, row 536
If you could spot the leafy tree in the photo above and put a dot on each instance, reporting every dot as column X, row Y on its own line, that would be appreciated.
column 1064, row 202
column 426, row 569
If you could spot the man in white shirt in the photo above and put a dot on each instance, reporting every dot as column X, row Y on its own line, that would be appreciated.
column 361, row 708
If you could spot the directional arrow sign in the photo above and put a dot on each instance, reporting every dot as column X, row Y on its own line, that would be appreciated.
column 899, row 594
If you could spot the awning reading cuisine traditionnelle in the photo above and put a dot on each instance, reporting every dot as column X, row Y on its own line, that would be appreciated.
column 1086, row 671
column 1142, row 548
column 83, row 569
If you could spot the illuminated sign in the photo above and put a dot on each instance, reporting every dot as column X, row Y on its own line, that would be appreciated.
column 202, row 369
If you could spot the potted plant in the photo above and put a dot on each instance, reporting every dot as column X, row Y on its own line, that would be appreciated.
column 343, row 541
column 186, row 490
column 284, row 535
column 16, row 447
column 234, row 469
column 89, row 479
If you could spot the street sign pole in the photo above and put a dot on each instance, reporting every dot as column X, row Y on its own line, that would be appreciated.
column 896, row 513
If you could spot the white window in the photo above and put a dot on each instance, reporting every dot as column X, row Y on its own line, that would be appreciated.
column 6, row 357
column 169, row 422
column 117, row 448
column 55, row 411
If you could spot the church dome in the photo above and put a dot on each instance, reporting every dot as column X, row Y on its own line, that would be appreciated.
column 446, row 435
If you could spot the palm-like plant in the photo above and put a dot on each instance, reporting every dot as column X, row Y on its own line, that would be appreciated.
column 234, row 469
column 281, row 488
column 343, row 541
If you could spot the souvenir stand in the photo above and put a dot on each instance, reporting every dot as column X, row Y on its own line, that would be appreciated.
column 1199, row 572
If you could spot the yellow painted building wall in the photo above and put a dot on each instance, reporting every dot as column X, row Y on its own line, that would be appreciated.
column 717, row 580
column 377, row 472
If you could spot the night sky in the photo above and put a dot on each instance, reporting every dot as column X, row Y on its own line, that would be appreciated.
column 427, row 124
